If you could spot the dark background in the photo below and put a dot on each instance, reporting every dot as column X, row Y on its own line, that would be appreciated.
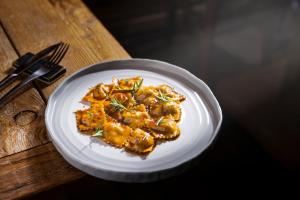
column 247, row 51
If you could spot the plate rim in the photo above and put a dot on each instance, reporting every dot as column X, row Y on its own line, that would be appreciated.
column 126, row 176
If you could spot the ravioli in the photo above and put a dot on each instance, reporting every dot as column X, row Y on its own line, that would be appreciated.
column 97, row 93
column 140, row 141
column 166, row 129
column 126, row 114
column 90, row 119
column 135, row 117
column 116, row 134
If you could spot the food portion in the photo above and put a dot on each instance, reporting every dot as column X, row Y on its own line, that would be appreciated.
column 126, row 114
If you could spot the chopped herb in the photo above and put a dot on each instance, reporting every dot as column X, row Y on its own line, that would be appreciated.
column 137, row 85
column 117, row 105
column 163, row 97
column 159, row 121
column 90, row 114
column 144, row 138
column 98, row 133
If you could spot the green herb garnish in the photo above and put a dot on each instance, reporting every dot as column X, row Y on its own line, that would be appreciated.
column 98, row 133
column 161, row 96
column 159, row 121
column 90, row 114
column 137, row 85
column 117, row 105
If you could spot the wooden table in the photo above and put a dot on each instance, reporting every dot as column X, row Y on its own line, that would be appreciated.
column 28, row 161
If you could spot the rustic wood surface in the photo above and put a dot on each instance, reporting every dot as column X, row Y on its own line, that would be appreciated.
column 46, row 22
column 28, row 161
column 34, row 170
column 21, row 123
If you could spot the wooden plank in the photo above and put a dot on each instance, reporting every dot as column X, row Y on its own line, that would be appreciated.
column 32, row 171
column 21, row 123
column 38, row 23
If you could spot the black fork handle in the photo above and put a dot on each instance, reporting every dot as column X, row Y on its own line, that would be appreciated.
column 9, row 95
column 7, row 80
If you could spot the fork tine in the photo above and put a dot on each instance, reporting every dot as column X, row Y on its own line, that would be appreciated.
column 61, row 54
column 55, row 55
column 60, row 44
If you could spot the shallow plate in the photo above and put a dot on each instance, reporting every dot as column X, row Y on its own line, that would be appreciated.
column 200, row 122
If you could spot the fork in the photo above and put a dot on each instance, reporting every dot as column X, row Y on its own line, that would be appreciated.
column 53, row 60
column 32, row 61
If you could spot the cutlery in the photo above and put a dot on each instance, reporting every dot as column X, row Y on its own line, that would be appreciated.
column 48, row 78
column 32, row 61
column 52, row 61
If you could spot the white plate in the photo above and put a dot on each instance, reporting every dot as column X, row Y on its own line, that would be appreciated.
column 200, row 122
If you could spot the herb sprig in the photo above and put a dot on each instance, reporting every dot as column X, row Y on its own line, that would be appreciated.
column 137, row 85
column 117, row 105
column 159, row 121
column 90, row 114
column 163, row 97
column 98, row 132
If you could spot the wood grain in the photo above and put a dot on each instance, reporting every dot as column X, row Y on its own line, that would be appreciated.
column 59, row 20
column 33, row 25
column 32, row 171
column 21, row 122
